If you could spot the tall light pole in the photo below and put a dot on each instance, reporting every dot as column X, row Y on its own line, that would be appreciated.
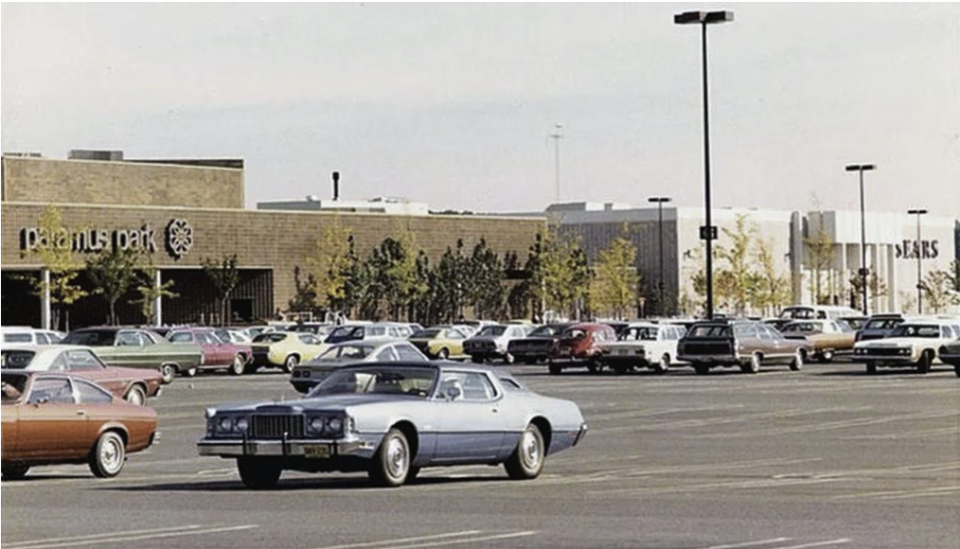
column 918, row 213
column 864, row 271
column 659, row 201
column 708, row 232
column 557, row 136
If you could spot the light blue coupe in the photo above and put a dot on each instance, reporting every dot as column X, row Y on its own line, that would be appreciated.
column 392, row 419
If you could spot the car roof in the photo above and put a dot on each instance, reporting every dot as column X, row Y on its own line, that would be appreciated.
column 38, row 349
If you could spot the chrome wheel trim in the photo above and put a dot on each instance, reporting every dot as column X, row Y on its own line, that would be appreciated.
column 530, row 452
column 397, row 458
column 136, row 396
column 111, row 454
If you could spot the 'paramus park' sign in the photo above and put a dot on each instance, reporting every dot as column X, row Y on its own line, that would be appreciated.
column 177, row 239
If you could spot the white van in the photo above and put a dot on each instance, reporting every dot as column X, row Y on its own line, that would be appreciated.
column 807, row 312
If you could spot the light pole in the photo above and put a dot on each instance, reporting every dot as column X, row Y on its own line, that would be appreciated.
column 659, row 201
column 557, row 136
column 864, row 271
column 918, row 213
column 708, row 232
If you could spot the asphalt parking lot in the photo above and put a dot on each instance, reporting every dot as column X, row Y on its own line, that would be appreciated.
column 826, row 457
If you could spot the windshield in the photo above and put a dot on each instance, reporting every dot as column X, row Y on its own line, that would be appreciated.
column 429, row 333
column 883, row 324
column 797, row 312
column 641, row 333
column 916, row 330
column 805, row 327
column 544, row 331
column 16, row 359
column 92, row 338
column 393, row 380
column 270, row 337
column 347, row 351
column 492, row 331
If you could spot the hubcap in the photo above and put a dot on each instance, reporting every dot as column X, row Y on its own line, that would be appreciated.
column 530, row 450
column 110, row 455
column 396, row 458
column 136, row 397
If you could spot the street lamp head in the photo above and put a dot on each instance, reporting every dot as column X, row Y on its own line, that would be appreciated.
column 659, row 199
column 702, row 17
column 860, row 167
column 916, row 212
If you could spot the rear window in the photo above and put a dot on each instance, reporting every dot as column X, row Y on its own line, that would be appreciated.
column 92, row 338
column 710, row 330
column 270, row 337
column 883, row 323
column 16, row 360
column 21, row 337
column 425, row 334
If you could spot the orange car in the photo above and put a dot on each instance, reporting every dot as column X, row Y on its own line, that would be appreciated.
column 51, row 419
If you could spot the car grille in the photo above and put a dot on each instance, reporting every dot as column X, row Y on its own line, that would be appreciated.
column 274, row 426
column 883, row 351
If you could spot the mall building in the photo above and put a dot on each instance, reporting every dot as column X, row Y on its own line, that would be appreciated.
column 180, row 212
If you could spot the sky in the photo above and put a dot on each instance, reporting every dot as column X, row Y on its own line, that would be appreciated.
column 454, row 104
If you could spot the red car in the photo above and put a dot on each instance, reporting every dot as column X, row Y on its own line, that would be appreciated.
column 217, row 353
column 578, row 345
column 131, row 384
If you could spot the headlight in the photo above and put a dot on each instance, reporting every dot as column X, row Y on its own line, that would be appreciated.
column 225, row 424
column 242, row 425
column 335, row 425
column 316, row 424
column 904, row 351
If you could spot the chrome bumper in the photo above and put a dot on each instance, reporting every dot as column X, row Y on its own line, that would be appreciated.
column 312, row 449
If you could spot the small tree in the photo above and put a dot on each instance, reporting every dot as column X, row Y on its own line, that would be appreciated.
column 937, row 291
column 150, row 292
column 820, row 256
column 772, row 289
column 225, row 277
column 57, row 258
column 328, row 267
column 613, row 289
column 305, row 292
column 875, row 288
column 735, row 283
column 113, row 272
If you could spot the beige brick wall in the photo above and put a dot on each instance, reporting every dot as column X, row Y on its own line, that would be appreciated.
column 44, row 180
column 267, row 239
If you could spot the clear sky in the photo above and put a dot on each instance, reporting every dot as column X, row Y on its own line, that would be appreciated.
column 453, row 104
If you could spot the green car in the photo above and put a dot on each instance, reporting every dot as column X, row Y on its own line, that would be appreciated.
column 136, row 348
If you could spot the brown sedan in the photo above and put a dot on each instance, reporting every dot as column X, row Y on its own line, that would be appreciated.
column 51, row 419
column 131, row 384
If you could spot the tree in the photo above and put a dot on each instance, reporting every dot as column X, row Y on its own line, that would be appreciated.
column 113, row 271
column 150, row 292
column 225, row 277
column 938, row 292
column 876, row 288
column 305, row 292
column 735, row 284
column 560, row 273
column 395, row 265
column 485, row 272
column 820, row 257
column 449, row 279
column 613, row 290
column 771, row 289
column 57, row 258
column 328, row 267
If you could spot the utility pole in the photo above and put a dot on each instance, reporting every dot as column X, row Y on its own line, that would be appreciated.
column 557, row 136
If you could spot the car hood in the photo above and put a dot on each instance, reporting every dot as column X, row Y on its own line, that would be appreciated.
column 333, row 402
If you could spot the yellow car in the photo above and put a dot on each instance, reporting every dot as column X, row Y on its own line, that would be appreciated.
column 284, row 350
column 441, row 342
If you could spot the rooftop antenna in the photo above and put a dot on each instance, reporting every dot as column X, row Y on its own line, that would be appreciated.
column 336, row 186
column 557, row 136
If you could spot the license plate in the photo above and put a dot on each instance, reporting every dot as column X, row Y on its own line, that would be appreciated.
column 623, row 352
column 316, row 451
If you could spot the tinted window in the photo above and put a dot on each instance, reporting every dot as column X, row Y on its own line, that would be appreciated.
column 180, row 337
column 89, row 393
column 710, row 330
column 54, row 390
column 425, row 334
column 21, row 337
column 916, row 330
column 492, row 331
column 409, row 352
column 16, row 360
column 90, row 337
column 128, row 338
column 270, row 337
column 81, row 359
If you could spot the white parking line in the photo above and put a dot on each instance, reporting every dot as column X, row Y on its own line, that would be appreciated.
column 471, row 540
column 747, row 543
column 125, row 537
column 838, row 541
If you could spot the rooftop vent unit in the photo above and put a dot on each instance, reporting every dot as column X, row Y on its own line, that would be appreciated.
column 107, row 156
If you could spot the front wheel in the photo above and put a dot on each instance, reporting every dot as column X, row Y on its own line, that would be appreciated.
column 167, row 373
column 826, row 356
column 290, row 363
column 444, row 354
column 259, row 473
column 926, row 360
column 797, row 363
column 753, row 366
column 391, row 463
column 526, row 461
column 238, row 366
column 555, row 369
column 663, row 365
column 108, row 455
column 136, row 395
column 871, row 367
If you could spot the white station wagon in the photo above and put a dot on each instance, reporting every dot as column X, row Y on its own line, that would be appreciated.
column 913, row 343
column 642, row 345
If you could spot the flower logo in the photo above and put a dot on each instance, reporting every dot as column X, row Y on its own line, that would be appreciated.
column 179, row 237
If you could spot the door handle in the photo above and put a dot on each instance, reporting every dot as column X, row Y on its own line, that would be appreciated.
column 81, row 412
column 495, row 410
